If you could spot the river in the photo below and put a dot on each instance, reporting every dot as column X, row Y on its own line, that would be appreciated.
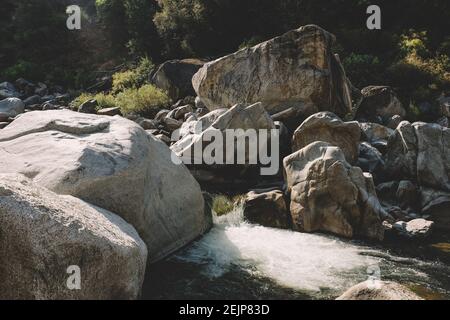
column 239, row 260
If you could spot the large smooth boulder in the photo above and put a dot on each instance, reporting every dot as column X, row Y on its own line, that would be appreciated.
column 379, row 104
column 175, row 77
column 420, row 152
column 113, row 163
column 327, row 127
column 329, row 195
column 267, row 208
column 43, row 234
column 297, row 69
column 379, row 290
column 12, row 107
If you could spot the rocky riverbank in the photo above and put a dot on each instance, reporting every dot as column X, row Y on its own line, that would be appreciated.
column 97, row 189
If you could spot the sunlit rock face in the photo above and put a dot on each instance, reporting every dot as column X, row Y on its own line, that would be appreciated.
column 327, row 127
column 43, row 234
column 113, row 163
column 295, row 70
column 329, row 195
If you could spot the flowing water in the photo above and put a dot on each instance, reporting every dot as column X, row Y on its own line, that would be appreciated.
column 239, row 260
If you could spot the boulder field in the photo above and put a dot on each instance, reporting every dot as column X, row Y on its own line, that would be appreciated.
column 108, row 192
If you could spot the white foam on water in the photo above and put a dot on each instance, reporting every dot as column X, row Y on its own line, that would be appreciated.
column 292, row 259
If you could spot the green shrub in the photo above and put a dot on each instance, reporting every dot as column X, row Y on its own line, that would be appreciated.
column 23, row 69
column 420, row 79
column 414, row 43
column 133, row 78
column 104, row 100
column 123, row 80
column 146, row 99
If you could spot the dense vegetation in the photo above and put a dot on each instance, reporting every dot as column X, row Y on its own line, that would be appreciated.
column 411, row 52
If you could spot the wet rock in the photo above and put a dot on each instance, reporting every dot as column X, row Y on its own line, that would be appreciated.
column 267, row 208
column 379, row 290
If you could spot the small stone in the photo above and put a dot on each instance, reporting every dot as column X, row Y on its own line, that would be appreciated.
column 417, row 228
column 109, row 111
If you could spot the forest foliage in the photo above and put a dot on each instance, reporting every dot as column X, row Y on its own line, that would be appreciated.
column 411, row 52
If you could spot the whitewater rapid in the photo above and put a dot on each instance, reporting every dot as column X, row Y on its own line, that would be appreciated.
column 238, row 260
column 296, row 260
